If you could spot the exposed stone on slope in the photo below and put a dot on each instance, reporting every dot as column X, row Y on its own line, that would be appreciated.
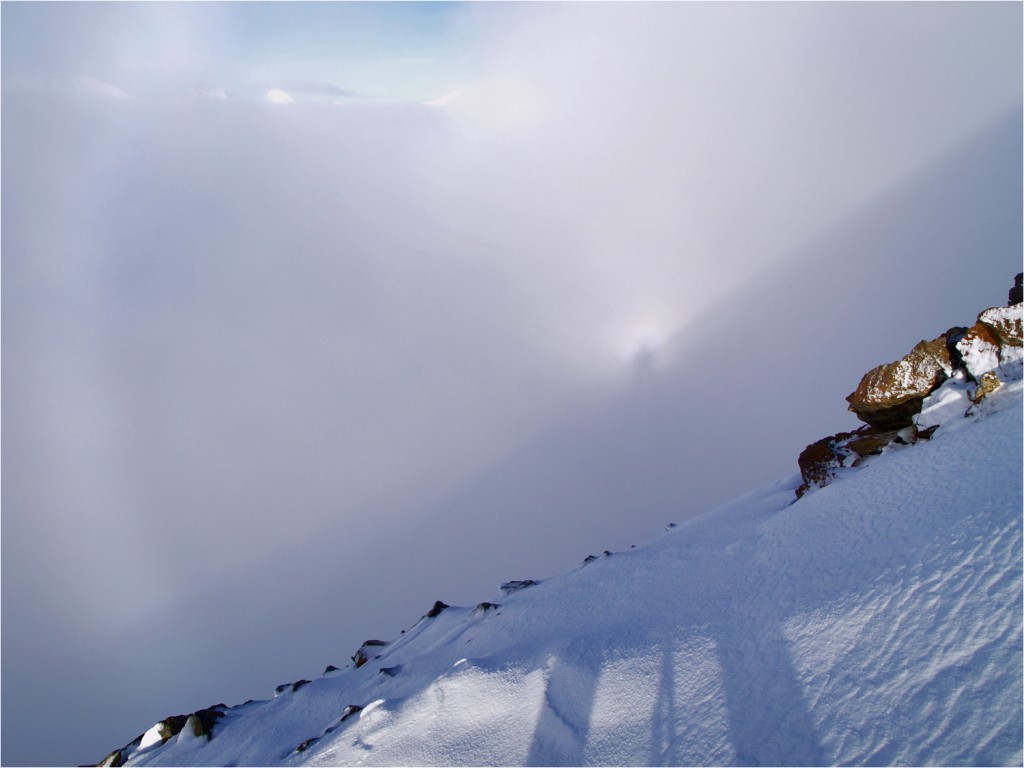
column 1016, row 295
column 980, row 350
column 285, row 686
column 350, row 710
column 907, row 400
column 871, row 442
column 994, row 343
column 1004, row 323
column 201, row 723
column 368, row 652
column 953, row 336
column 987, row 384
column 114, row 760
column 514, row 586
column 171, row 726
column 890, row 395
column 818, row 462
column 821, row 461
column 197, row 724
column 435, row 611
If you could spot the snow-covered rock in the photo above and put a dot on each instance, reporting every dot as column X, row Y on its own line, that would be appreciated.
column 821, row 462
column 994, row 343
column 368, row 651
column 980, row 350
column 909, row 399
column 1004, row 324
column 890, row 395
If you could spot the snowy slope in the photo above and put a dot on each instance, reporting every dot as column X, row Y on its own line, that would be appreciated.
column 877, row 620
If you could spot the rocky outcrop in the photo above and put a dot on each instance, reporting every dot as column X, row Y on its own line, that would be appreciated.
column 293, row 686
column 993, row 343
column 435, row 611
column 368, row 652
column 987, row 384
column 170, row 726
column 1004, row 323
column 907, row 400
column 514, row 586
column 114, row 760
column 889, row 396
column 1016, row 295
column 201, row 723
column 821, row 461
column 196, row 725
column 980, row 350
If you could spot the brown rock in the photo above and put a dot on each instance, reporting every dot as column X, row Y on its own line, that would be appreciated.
column 436, row 610
column 979, row 349
column 871, row 443
column 1004, row 324
column 819, row 462
column 987, row 384
column 367, row 652
column 114, row 760
column 889, row 396
column 171, row 726
column 952, row 337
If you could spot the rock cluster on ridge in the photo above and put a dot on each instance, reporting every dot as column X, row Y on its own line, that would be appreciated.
column 196, row 725
column 890, row 395
column 906, row 400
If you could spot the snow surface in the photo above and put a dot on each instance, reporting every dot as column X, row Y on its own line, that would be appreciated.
column 949, row 401
column 876, row 621
column 151, row 737
column 979, row 356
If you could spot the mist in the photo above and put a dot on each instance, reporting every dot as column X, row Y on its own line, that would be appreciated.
column 498, row 286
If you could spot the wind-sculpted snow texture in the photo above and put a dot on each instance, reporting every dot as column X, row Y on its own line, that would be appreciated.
column 875, row 621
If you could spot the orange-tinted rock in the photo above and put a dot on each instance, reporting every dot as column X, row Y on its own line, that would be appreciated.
column 367, row 652
column 1004, row 323
column 889, row 396
column 819, row 462
column 871, row 443
column 979, row 349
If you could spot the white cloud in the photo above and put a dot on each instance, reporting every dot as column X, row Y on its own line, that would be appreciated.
column 215, row 94
column 277, row 96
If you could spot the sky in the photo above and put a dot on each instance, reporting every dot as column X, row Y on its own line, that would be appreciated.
column 315, row 313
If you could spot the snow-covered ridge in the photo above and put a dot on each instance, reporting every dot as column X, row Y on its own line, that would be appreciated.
column 876, row 620
column 907, row 400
